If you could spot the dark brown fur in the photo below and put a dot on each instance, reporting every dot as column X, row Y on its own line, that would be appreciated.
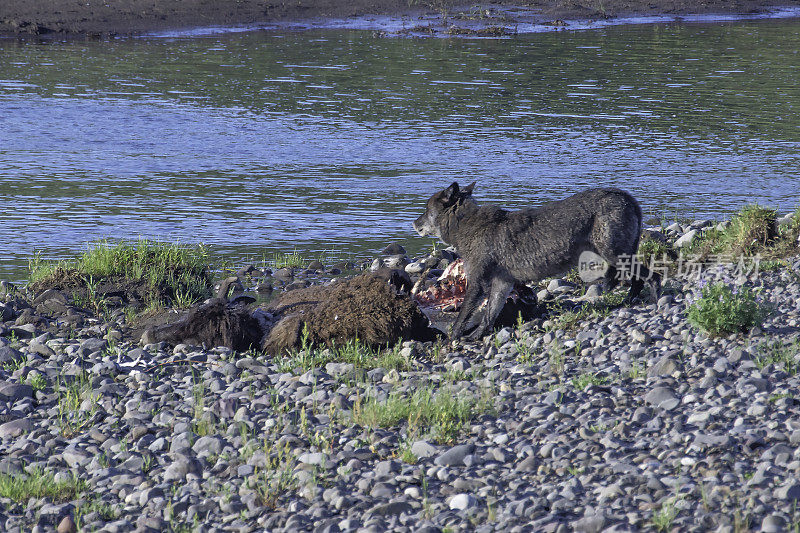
column 366, row 307
column 215, row 323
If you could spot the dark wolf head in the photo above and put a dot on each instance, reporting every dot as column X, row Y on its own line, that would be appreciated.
column 439, row 203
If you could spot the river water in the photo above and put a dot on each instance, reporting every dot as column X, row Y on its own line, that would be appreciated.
column 330, row 141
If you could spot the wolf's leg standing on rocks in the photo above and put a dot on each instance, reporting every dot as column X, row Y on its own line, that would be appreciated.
column 473, row 297
column 500, row 289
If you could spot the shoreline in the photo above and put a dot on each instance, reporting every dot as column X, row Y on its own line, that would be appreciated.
column 68, row 18
column 625, row 420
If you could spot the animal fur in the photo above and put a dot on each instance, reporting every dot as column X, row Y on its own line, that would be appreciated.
column 215, row 323
column 366, row 307
column 501, row 248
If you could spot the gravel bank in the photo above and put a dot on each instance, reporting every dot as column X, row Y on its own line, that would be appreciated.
column 624, row 422
column 128, row 17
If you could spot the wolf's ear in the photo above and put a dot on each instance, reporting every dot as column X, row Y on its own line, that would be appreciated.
column 450, row 194
column 467, row 191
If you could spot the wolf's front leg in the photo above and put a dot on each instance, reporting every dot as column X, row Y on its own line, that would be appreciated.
column 498, row 295
column 472, row 301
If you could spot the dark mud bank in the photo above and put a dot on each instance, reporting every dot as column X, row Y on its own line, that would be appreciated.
column 130, row 17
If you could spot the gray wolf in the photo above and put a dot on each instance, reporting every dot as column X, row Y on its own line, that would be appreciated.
column 501, row 248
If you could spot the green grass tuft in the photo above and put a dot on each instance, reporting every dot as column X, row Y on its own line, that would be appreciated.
column 663, row 517
column 584, row 380
column 751, row 229
column 651, row 249
column 568, row 320
column 37, row 381
column 777, row 353
column 443, row 413
column 360, row 355
column 172, row 270
column 722, row 310
column 71, row 395
column 284, row 260
column 36, row 483
column 276, row 478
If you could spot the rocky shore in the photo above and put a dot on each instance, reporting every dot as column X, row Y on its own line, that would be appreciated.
column 623, row 420
column 96, row 19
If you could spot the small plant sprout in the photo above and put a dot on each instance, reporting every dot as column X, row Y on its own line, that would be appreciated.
column 575, row 471
column 584, row 380
column 37, row 381
column 665, row 515
column 775, row 352
column 637, row 370
column 556, row 360
column 71, row 417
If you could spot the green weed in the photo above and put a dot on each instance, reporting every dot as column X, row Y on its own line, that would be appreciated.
column 37, row 381
column 751, row 229
column 16, row 364
column 284, row 260
column 722, row 310
column 637, row 371
column 575, row 471
column 37, row 483
column 662, row 518
column 653, row 250
column 443, row 414
column 586, row 379
column 200, row 426
column 360, row 355
column 71, row 394
column 569, row 320
column 277, row 476
column 556, row 360
column 13, row 340
column 105, row 510
column 780, row 396
column 777, row 353
column 164, row 268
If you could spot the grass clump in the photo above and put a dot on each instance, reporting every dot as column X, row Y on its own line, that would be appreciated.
column 163, row 270
column 663, row 517
column 276, row 478
column 71, row 419
column 201, row 426
column 584, row 380
column 556, row 360
column 442, row 414
column 37, row 382
column 285, row 260
column 777, row 353
column 105, row 510
column 753, row 230
column 37, row 483
column 636, row 371
column 360, row 355
column 654, row 250
column 722, row 310
column 568, row 320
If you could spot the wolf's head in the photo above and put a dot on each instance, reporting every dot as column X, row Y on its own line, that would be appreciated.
column 429, row 223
